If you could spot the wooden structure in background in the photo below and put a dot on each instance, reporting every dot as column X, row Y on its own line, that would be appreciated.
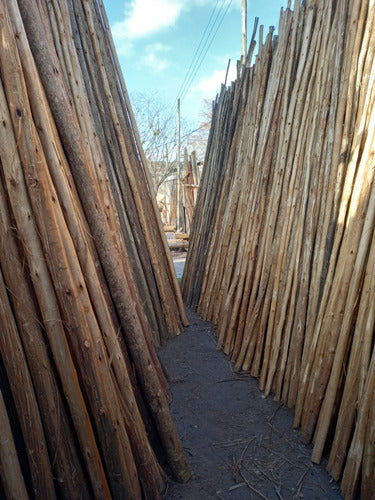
column 281, row 254
column 87, row 286
column 189, row 184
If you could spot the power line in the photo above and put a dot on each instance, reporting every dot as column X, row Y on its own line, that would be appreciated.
column 196, row 50
column 191, row 132
column 208, row 36
column 205, row 53
column 204, row 45
column 193, row 60
column 201, row 46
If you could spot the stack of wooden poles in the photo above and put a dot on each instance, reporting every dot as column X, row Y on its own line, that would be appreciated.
column 189, row 188
column 87, row 287
column 282, row 249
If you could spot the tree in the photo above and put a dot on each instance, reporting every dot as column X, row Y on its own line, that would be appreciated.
column 158, row 132
column 157, row 129
column 197, row 140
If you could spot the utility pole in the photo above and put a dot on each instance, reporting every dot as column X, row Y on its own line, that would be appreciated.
column 244, row 31
column 166, row 160
column 178, row 168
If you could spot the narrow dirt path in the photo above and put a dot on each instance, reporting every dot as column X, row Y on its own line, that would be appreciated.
column 240, row 444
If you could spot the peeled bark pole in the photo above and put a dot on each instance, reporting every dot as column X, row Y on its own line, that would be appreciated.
column 285, row 269
column 10, row 470
column 76, row 338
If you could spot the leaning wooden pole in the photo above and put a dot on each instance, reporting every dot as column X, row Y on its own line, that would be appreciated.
column 77, row 358
column 10, row 470
column 285, row 270
column 122, row 284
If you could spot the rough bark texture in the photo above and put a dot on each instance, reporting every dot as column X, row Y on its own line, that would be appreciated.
column 281, row 253
column 86, row 287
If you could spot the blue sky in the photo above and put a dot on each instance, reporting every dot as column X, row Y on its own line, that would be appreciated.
column 157, row 39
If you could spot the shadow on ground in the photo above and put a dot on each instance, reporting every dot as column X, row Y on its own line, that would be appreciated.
column 240, row 445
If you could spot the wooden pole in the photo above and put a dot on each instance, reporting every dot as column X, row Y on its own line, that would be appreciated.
column 65, row 327
column 244, row 32
column 10, row 469
column 178, row 174
column 47, row 301
column 165, row 253
column 286, row 269
column 166, row 157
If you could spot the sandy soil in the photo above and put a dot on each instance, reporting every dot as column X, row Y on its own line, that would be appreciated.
column 240, row 445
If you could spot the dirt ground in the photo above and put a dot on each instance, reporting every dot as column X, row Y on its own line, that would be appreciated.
column 240, row 445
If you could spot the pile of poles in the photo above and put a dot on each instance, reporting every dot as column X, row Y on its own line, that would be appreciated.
column 87, row 286
column 282, row 249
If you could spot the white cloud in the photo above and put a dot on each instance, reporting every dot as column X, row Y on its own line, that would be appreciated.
column 153, row 60
column 210, row 86
column 159, row 47
column 124, row 47
column 143, row 17
column 154, row 63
